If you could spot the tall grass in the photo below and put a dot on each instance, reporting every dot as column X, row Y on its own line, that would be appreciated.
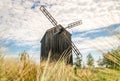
column 16, row 70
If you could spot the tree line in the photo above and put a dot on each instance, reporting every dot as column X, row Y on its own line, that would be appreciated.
column 110, row 60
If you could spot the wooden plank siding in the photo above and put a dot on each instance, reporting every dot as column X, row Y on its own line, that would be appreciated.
column 57, row 44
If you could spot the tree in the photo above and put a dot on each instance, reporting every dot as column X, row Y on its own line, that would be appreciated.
column 90, row 60
column 100, row 62
column 78, row 62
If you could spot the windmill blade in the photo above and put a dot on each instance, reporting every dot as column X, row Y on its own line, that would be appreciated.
column 74, row 48
column 48, row 15
column 71, row 25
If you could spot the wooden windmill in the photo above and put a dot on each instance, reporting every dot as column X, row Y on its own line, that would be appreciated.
column 58, row 40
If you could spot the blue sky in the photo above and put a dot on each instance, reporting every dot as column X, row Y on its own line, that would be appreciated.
column 99, row 32
column 22, row 25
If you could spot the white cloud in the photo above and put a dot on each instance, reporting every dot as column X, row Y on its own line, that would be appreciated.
column 3, row 50
column 20, row 23
column 100, row 44
column 93, row 14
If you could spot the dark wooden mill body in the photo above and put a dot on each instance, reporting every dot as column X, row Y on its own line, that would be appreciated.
column 57, row 44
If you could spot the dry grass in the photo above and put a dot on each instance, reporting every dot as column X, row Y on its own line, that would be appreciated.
column 16, row 70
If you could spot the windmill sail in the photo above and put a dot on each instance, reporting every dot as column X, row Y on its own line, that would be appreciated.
column 71, row 25
column 74, row 48
column 48, row 15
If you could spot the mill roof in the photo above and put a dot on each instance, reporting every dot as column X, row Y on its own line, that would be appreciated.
column 58, row 26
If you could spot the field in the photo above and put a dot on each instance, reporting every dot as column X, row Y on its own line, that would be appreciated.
column 25, row 70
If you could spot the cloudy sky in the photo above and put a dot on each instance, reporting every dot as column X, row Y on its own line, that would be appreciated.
column 22, row 24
